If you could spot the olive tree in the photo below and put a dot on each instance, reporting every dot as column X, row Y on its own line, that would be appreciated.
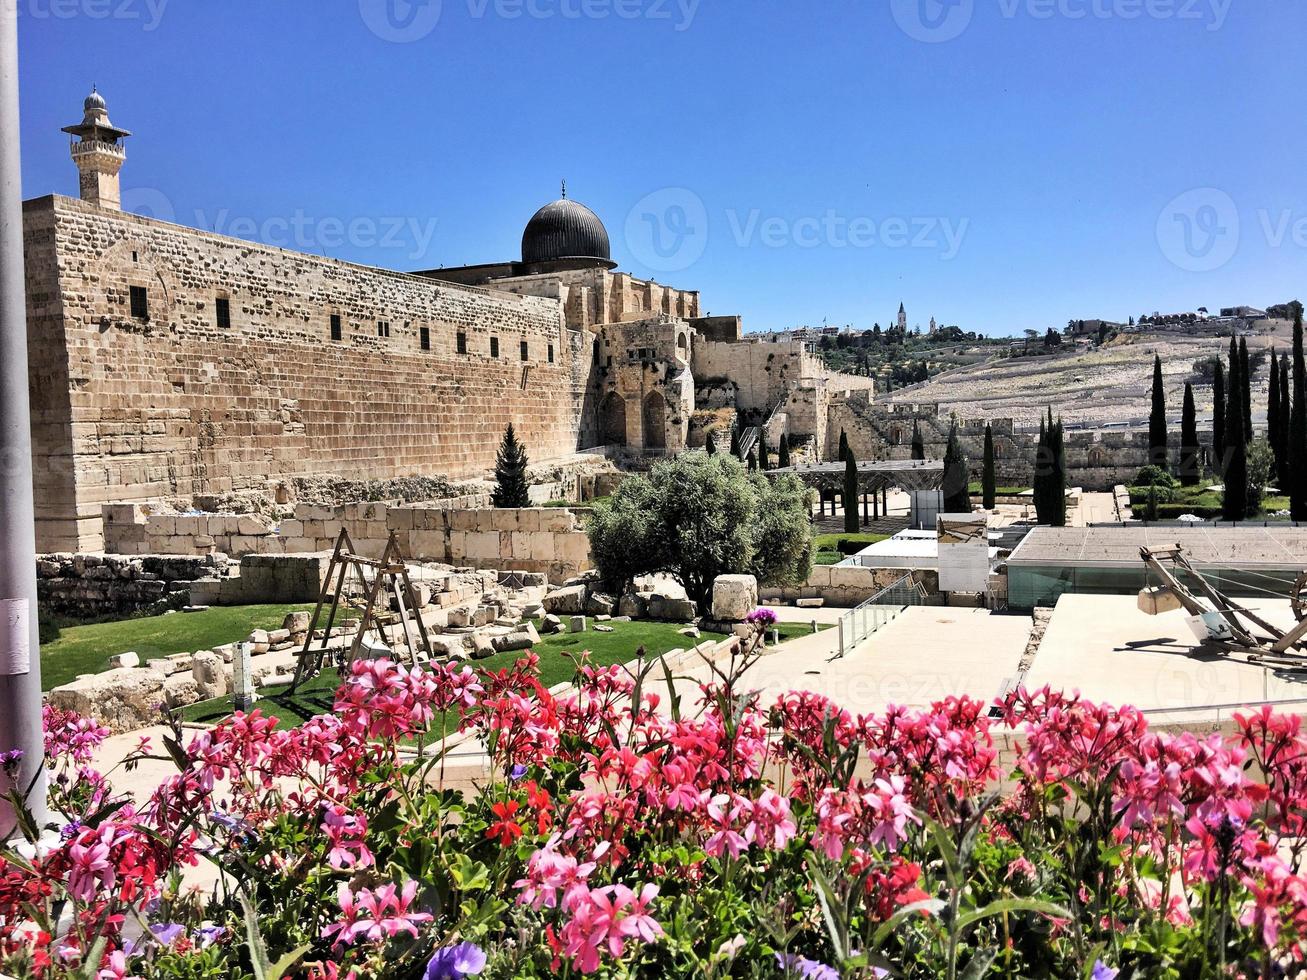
column 698, row 516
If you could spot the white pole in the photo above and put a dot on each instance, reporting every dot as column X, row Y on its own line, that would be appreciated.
column 20, row 650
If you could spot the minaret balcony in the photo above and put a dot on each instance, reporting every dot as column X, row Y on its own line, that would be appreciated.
column 81, row 148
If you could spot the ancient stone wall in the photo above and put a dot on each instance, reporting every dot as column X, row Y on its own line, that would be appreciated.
column 762, row 374
column 549, row 540
column 847, row 586
column 645, row 390
column 89, row 586
column 592, row 297
column 183, row 398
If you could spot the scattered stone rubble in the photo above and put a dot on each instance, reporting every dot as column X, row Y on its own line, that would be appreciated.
column 469, row 614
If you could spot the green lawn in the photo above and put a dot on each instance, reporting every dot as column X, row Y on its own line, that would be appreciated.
column 87, row 649
column 976, row 490
column 826, row 550
column 617, row 647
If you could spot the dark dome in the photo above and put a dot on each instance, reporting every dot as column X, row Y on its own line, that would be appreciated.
column 564, row 230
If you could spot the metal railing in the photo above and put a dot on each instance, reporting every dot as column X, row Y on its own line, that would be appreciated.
column 885, row 606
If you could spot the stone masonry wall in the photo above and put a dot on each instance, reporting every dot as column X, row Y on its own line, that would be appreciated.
column 87, row 586
column 547, row 539
column 133, row 408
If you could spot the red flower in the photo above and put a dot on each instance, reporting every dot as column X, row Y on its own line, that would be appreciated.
column 539, row 800
column 506, row 828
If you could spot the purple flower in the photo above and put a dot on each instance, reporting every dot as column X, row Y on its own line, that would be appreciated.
column 11, row 758
column 208, row 935
column 227, row 821
column 517, row 772
column 1103, row 972
column 793, row 963
column 167, row 932
column 762, row 617
column 456, row 962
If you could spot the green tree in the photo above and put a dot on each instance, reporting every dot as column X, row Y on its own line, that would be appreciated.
column 710, row 444
column 510, row 473
column 753, row 460
column 1245, row 376
column 1218, row 417
column 783, row 456
column 763, row 455
column 1157, row 418
column 957, row 499
column 1234, row 501
column 850, row 494
column 1286, row 416
column 844, row 445
column 1261, row 471
column 988, row 481
column 695, row 517
column 1050, row 474
column 918, row 443
column 735, row 442
column 1273, row 410
column 1298, row 427
column 1190, row 450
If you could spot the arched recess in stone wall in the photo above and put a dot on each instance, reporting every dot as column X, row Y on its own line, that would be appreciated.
column 655, row 421
column 612, row 420
column 683, row 347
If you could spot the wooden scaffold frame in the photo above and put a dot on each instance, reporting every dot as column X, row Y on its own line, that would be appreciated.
column 389, row 575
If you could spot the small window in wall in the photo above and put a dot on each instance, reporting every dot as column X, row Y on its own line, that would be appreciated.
column 462, row 343
column 551, row 353
column 336, row 330
column 424, row 336
column 222, row 309
column 140, row 300
column 383, row 328
column 494, row 346
column 526, row 351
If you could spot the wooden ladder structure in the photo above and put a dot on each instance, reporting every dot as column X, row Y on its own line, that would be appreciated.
column 389, row 579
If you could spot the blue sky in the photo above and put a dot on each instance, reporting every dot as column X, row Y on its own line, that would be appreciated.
column 999, row 164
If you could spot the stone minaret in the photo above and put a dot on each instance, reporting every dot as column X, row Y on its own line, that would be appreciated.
column 99, row 153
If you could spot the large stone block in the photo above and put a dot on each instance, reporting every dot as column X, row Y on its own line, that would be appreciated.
column 569, row 601
column 122, row 700
column 734, row 597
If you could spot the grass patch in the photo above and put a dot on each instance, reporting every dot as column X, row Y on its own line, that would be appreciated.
column 1197, row 500
column 618, row 647
column 831, row 549
column 975, row 489
column 86, row 649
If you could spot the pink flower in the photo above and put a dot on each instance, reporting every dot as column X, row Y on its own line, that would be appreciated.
column 375, row 915
column 92, row 869
column 605, row 919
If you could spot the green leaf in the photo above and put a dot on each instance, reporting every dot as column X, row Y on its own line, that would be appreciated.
column 91, row 965
column 827, row 900
column 469, row 875
column 931, row 905
column 283, row 965
column 254, row 939
column 1003, row 905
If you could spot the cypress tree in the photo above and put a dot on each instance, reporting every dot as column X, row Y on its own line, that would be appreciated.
column 1234, row 502
column 844, row 444
column 763, row 454
column 1286, row 414
column 918, row 444
column 1245, row 375
column 988, row 483
column 850, row 494
column 510, row 473
column 783, row 457
column 753, row 459
column 1058, row 478
column 735, row 443
column 710, row 445
column 1040, row 486
column 1157, row 419
column 1298, row 427
column 1190, row 468
column 957, row 499
column 1218, row 417
column 1273, row 412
